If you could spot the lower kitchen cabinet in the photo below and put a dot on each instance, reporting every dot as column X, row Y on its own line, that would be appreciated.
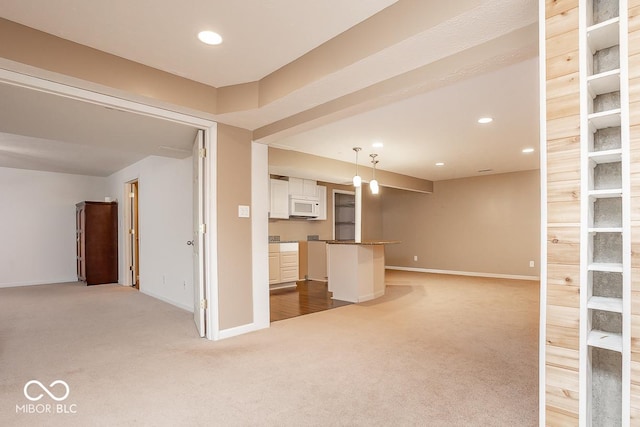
column 283, row 262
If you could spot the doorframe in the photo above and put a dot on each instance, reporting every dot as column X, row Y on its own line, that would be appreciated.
column 74, row 89
column 333, row 207
column 128, row 247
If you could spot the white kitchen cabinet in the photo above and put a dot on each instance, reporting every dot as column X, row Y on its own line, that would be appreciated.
column 302, row 187
column 279, row 195
column 321, row 193
column 274, row 263
column 283, row 262
column 289, row 266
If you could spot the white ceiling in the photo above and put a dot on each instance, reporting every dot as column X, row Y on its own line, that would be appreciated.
column 259, row 36
column 441, row 126
column 428, row 122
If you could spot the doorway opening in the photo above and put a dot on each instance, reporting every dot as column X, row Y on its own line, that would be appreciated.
column 132, row 191
column 344, row 215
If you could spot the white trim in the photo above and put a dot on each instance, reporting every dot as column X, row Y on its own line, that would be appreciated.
column 37, row 282
column 51, row 87
column 212, row 328
column 626, row 212
column 463, row 273
column 369, row 297
column 164, row 299
column 542, row 88
column 238, row 330
column 584, row 364
column 260, row 234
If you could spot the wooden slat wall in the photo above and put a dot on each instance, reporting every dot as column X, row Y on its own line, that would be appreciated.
column 634, row 137
column 563, row 213
column 563, row 207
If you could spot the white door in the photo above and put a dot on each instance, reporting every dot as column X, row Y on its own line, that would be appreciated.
column 199, row 295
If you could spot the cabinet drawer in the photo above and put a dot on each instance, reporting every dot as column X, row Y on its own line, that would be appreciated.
column 274, row 248
column 289, row 274
column 289, row 259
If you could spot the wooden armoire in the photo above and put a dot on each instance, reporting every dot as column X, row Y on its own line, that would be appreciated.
column 97, row 242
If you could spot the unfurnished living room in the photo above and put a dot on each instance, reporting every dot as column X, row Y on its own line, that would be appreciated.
column 286, row 213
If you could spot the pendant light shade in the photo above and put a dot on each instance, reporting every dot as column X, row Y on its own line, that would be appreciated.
column 357, row 181
column 373, row 185
column 375, row 188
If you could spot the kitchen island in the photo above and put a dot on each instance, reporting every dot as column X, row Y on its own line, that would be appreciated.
column 355, row 270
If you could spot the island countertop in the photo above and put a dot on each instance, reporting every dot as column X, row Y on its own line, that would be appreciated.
column 366, row 242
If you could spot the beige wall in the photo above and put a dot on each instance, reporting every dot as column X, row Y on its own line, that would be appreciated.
column 488, row 224
column 372, row 213
column 235, row 288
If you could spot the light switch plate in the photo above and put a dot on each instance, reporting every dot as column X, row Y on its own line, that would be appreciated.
column 243, row 211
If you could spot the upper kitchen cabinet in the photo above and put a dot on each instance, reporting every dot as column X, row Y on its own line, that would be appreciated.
column 302, row 187
column 279, row 199
column 321, row 193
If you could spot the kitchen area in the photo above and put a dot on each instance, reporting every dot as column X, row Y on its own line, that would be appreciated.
column 307, row 219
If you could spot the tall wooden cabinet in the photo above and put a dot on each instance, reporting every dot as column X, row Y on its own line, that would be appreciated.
column 97, row 242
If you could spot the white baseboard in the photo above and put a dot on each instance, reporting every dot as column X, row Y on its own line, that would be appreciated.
column 239, row 330
column 38, row 282
column 463, row 273
column 167, row 300
column 371, row 296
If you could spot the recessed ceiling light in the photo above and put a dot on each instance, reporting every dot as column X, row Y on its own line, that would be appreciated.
column 485, row 120
column 439, row 164
column 377, row 144
column 209, row 37
column 528, row 150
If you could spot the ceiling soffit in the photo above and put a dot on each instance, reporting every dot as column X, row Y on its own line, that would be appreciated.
column 367, row 54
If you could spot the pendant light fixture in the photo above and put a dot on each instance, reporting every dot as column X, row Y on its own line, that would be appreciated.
column 375, row 188
column 357, row 181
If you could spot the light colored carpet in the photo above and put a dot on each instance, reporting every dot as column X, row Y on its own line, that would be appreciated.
column 436, row 350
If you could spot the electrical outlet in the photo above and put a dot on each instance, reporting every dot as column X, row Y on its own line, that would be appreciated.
column 415, row 257
column 532, row 264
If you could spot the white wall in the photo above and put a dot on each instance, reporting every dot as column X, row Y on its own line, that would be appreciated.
column 165, row 221
column 37, row 224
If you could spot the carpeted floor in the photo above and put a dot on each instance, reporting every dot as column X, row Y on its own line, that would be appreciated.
column 436, row 350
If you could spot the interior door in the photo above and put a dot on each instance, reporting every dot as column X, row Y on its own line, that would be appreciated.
column 199, row 294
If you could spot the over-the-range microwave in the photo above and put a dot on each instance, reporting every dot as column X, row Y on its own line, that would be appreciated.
column 303, row 206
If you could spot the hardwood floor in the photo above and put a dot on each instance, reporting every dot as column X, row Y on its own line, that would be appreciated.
column 307, row 297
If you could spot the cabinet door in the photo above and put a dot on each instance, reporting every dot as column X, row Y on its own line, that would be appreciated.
column 309, row 187
column 274, row 268
column 296, row 186
column 302, row 187
column 279, row 199
column 321, row 193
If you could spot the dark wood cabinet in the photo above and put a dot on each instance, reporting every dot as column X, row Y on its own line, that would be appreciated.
column 97, row 242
